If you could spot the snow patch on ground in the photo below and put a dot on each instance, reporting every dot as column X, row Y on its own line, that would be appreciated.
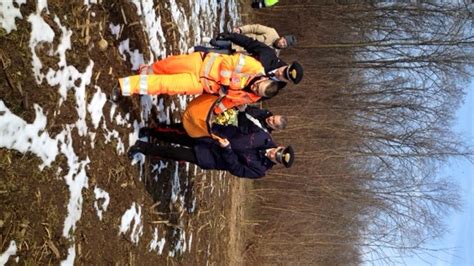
column 181, row 245
column 116, row 30
column 146, row 104
column 95, row 106
column 152, row 26
column 122, row 121
column 8, row 14
column 81, row 99
column 101, row 194
column 180, row 19
column 138, row 157
column 11, row 251
column 202, row 28
column 163, row 113
column 156, row 245
column 193, row 206
column 136, row 58
column 132, row 214
column 40, row 5
column 159, row 167
column 76, row 179
column 109, row 135
column 133, row 136
column 66, row 76
column 190, row 241
column 16, row 134
column 175, row 187
column 41, row 33
column 183, row 101
column 71, row 255
column 113, row 107
column 92, row 136
column 233, row 9
column 120, row 147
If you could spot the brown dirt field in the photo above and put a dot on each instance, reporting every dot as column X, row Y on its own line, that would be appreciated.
column 33, row 202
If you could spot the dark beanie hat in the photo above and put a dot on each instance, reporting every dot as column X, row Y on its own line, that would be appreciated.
column 294, row 72
column 290, row 40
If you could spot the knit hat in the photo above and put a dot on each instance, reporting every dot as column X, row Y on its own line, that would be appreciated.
column 285, row 156
column 290, row 40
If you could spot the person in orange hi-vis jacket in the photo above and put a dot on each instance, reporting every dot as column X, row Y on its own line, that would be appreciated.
column 239, row 78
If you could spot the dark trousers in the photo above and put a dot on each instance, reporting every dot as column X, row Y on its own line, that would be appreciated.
column 173, row 153
column 173, row 134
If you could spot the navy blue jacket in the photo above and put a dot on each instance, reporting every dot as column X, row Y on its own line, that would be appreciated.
column 246, row 126
column 244, row 157
column 262, row 52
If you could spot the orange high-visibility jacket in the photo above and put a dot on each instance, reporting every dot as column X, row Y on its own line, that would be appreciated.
column 197, row 74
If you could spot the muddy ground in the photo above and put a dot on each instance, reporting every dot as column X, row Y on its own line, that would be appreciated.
column 33, row 202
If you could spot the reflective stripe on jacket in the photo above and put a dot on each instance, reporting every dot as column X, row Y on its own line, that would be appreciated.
column 234, row 71
column 192, row 74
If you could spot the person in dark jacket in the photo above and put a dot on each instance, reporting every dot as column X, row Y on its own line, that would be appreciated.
column 242, row 155
column 252, row 120
column 267, row 35
column 275, row 68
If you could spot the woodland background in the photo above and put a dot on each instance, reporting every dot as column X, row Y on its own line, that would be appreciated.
column 371, row 125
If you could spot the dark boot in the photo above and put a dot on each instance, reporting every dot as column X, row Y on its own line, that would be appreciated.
column 116, row 93
column 145, row 132
column 138, row 147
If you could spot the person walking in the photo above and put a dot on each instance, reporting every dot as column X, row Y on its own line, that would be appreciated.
column 239, row 78
column 252, row 120
column 264, row 34
column 243, row 155
column 274, row 67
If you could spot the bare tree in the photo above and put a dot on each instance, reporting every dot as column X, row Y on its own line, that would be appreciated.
column 371, row 123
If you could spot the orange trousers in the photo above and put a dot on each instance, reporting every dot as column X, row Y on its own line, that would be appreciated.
column 173, row 75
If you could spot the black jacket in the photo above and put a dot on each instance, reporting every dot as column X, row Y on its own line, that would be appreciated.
column 264, row 53
column 244, row 157
column 246, row 125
